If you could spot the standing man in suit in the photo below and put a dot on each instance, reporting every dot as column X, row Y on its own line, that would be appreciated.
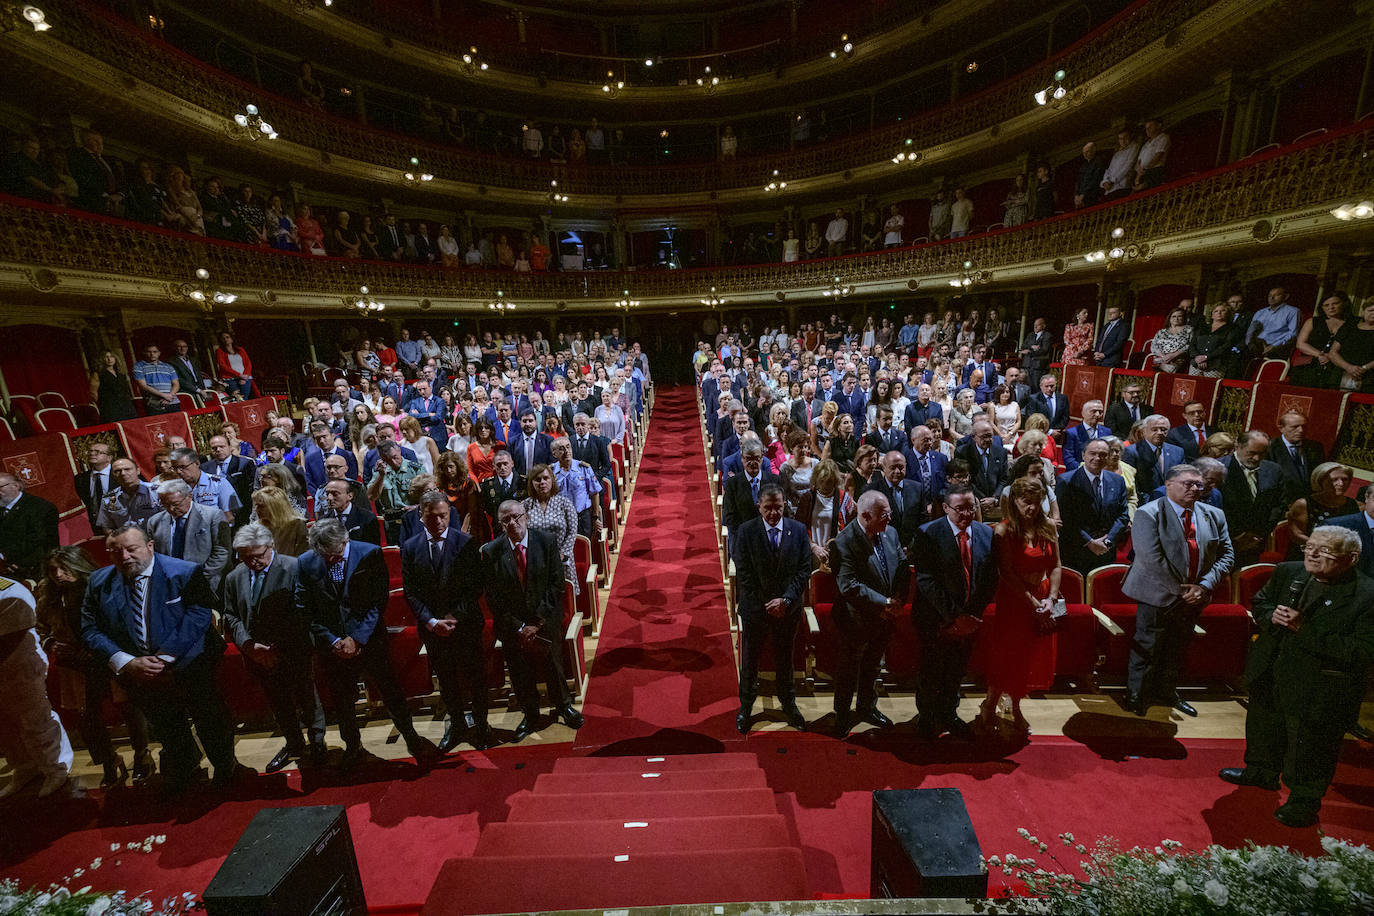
column 728, row 438
column 593, row 450
column 1152, row 456
column 441, row 575
column 807, row 409
column 353, row 514
column 261, row 618
column 852, row 401
column 530, row 447
column 1307, row 671
column 926, row 464
column 905, row 498
column 28, row 529
column 1362, row 523
column 1036, row 350
column 1094, row 511
column 1191, row 435
column 1253, row 495
column 236, row 470
column 524, row 582
column 188, row 531
column 341, row 592
column 324, row 446
column 885, row 437
column 740, row 500
column 872, row 578
column 1295, row 456
column 1018, row 388
column 429, row 410
column 1182, row 552
column 988, row 464
column 149, row 617
column 502, row 485
column 190, row 377
column 93, row 484
column 1076, row 437
column 956, row 577
column 1111, row 340
column 1049, row 402
column 772, row 556
column 1126, row 410
column 921, row 409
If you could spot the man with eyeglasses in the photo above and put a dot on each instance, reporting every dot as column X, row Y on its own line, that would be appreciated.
column 206, row 489
column 335, row 468
column 190, row 531
column 1253, row 494
column 1307, row 671
column 1182, row 552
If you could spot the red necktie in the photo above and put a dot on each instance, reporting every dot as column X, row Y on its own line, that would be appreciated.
column 520, row 562
column 1201, row 440
column 1190, row 533
column 966, row 557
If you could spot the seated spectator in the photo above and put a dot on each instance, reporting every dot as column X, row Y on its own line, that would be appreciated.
column 145, row 201
column 1217, row 350
column 280, row 227
column 1315, row 339
column 220, row 221
column 250, row 217
column 1169, row 348
column 234, row 367
column 309, row 231
column 182, row 210
column 28, row 529
column 1328, row 500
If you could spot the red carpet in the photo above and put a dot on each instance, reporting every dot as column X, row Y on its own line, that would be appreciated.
column 664, row 661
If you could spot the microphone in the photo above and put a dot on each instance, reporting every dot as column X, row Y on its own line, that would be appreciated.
column 1295, row 590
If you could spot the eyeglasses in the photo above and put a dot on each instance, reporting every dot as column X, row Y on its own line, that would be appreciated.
column 1326, row 553
column 1191, row 484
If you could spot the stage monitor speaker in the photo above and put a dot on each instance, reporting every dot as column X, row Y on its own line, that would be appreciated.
column 924, row 846
column 290, row 862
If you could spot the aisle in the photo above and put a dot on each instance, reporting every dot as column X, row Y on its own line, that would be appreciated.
column 664, row 667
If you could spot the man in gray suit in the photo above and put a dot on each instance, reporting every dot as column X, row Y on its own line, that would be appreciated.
column 189, row 531
column 260, row 617
column 1182, row 551
column 872, row 577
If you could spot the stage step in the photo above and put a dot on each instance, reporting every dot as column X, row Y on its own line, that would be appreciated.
column 648, row 781
column 671, row 763
column 654, row 835
column 506, row 884
column 616, row 806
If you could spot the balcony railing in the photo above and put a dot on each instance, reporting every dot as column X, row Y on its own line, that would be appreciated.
column 121, row 45
column 1328, row 168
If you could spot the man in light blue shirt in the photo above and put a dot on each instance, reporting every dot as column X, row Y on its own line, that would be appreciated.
column 907, row 335
column 409, row 354
column 1275, row 326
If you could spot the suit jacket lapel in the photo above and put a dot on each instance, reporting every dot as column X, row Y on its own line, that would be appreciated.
column 157, row 603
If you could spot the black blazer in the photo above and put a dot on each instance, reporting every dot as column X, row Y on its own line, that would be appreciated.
column 539, row 601
column 1084, row 519
column 1358, row 524
column 891, row 441
column 596, row 452
column 1184, row 437
column 1110, row 342
column 27, row 532
column 1119, row 419
column 914, row 499
column 360, row 523
column 274, row 620
column 1253, row 514
column 543, row 452
column 351, row 609
column 241, row 474
column 1036, row 403
column 1041, row 347
column 764, row 573
column 799, row 412
column 987, row 482
column 942, row 593
column 1298, row 484
column 451, row 590
column 83, row 490
column 492, row 494
column 738, row 505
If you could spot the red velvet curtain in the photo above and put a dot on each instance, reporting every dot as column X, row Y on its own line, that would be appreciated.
column 36, row 358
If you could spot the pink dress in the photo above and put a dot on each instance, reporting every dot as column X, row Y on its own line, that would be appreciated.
column 1078, row 344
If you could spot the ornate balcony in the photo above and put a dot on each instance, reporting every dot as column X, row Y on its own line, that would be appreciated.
column 1279, row 199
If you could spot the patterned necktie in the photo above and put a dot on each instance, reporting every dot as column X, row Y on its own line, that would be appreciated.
column 336, row 572
column 882, row 558
column 436, row 551
column 1251, row 477
column 1190, row 534
column 966, row 558
column 136, row 587
column 1097, row 491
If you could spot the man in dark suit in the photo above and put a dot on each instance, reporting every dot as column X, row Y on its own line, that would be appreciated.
column 921, row 409
column 1253, row 495
column 1191, row 435
column 905, row 498
column 97, row 185
column 28, row 529
column 341, row 593
column 1307, row 672
column 988, row 466
column 353, row 514
column 772, row 557
column 530, row 447
column 1126, row 410
column 1094, row 510
column 1295, row 456
column 261, row 618
column 1152, row 456
column 1076, row 437
column 1111, row 340
column 981, row 362
column 390, row 243
column 852, row 401
column 728, row 439
column 593, row 450
column 237, row 470
column 430, row 410
column 188, row 531
column 149, row 618
column 871, row 578
column 956, row 576
column 190, row 376
column 1036, row 350
column 885, row 437
column 524, row 583
column 807, row 409
column 324, row 446
column 502, row 485
column 1362, row 523
column 1014, row 380
column 740, row 499
column 926, row 464
column 93, row 484
column 441, row 575
column 1051, row 403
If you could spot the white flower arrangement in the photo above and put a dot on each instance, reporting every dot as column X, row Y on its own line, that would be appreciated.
column 60, row 900
column 1171, row 881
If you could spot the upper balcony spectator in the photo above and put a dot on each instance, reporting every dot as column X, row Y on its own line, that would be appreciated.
column 308, row 89
column 940, row 215
column 729, row 143
column 97, row 185
column 835, row 233
column 1087, row 189
column 1119, row 177
column 961, row 215
column 27, row 175
column 1154, row 154
column 1016, row 206
column 183, row 210
column 145, row 201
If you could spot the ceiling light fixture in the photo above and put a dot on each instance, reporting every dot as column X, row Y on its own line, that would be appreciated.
column 1116, row 252
column 556, row 196
column 249, row 125
column 1346, row 212
column 500, row 303
column 969, row 274
column 611, row 88
column 777, row 184
column 199, row 291
column 364, row 304
column 837, row 290
column 1054, row 91
column 625, row 303
column 712, row 300
column 415, row 173
column 14, row 16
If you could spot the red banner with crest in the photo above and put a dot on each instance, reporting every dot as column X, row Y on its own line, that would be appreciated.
column 1173, row 391
column 146, row 435
column 251, row 417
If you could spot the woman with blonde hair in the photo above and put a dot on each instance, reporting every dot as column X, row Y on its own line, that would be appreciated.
column 1218, row 446
column 825, row 508
column 1330, row 482
column 273, row 508
column 820, row 427
column 1115, row 449
column 426, row 452
column 1020, row 652
column 279, row 475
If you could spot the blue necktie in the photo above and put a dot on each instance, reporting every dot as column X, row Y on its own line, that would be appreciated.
column 179, row 538
column 773, row 537
column 882, row 557
column 336, row 572
column 136, row 597
column 754, row 485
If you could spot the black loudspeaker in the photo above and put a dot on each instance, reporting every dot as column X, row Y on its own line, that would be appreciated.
column 924, row 846
column 290, row 862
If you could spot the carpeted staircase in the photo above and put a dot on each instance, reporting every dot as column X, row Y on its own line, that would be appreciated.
column 603, row 832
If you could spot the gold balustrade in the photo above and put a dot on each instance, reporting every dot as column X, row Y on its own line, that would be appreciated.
column 134, row 51
column 1329, row 168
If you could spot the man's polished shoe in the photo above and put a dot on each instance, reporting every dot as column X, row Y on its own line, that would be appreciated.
column 318, row 753
column 452, row 735
column 1134, row 703
column 481, row 737
column 1240, row 776
column 1297, row 814
column 352, row 754
column 842, row 725
column 794, row 716
column 872, row 716
column 742, row 720
column 144, row 765
column 1184, row 707
column 525, row 728
column 422, row 749
column 280, row 761
column 569, row 716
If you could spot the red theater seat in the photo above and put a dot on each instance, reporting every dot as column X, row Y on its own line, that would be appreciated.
column 411, row 667
column 54, row 420
column 240, row 689
column 1116, row 615
column 6, row 431
column 85, row 415
column 824, row 649
column 588, row 597
column 392, row 556
column 397, row 613
column 1249, row 581
column 52, row 399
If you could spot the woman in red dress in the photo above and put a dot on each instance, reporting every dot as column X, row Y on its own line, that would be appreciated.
column 1020, row 650
column 481, row 449
column 1078, row 339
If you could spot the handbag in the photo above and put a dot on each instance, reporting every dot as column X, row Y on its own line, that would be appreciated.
column 1048, row 623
